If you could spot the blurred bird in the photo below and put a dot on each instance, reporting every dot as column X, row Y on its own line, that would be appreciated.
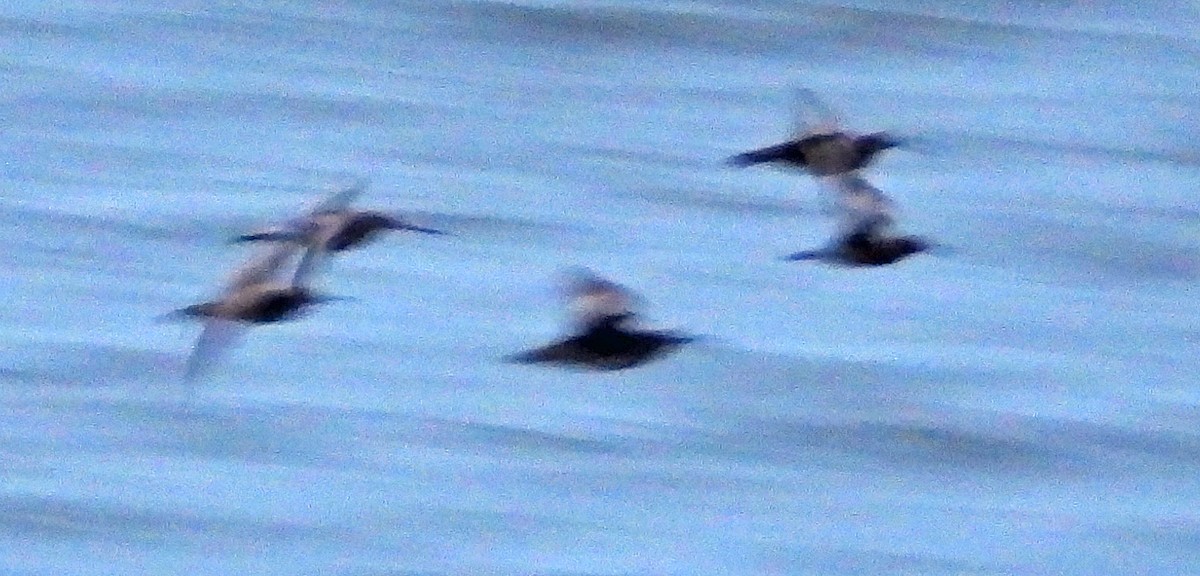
column 822, row 148
column 331, row 226
column 254, row 294
column 865, row 236
column 605, row 336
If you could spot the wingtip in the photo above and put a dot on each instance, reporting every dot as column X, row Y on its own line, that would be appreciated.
column 424, row 230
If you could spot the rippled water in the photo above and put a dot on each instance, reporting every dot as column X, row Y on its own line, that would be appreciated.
column 1024, row 402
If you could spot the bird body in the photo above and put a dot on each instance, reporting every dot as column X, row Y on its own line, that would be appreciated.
column 332, row 226
column 821, row 148
column 865, row 236
column 605, row 336
column 257, row 304
column 257, row 294
column 254, row 295
column 823, row 154
column 866, row 252
column 344, row 230
column 605, row 346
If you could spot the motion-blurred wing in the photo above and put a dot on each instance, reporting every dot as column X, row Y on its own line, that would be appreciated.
column 592, row 298
column 263, row 267
column 814, row 116
column 319, row 233
column 862, row 208
column 302, row 228
column 340, row 201
column 314, row 255
column 217, row 336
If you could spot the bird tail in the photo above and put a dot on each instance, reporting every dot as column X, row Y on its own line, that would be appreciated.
column 759, row 156
column 807, row 255
column 185, row 313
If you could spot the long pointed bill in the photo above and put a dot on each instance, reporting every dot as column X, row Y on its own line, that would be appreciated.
column 420, row 229
column 807, row 255
column 325, row 298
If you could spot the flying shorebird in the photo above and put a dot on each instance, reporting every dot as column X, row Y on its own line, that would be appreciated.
column 331, row 226
column 253, row 295
column 865, row 237
column 605, row 336
column 821, row 149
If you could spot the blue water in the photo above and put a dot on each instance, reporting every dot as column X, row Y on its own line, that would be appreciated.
column 1023, row 402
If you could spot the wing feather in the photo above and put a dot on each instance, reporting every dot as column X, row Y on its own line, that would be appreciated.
column 339, row 201
column 862, row 208
column 814, row 116
column 263, row 267
column 217, row 336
